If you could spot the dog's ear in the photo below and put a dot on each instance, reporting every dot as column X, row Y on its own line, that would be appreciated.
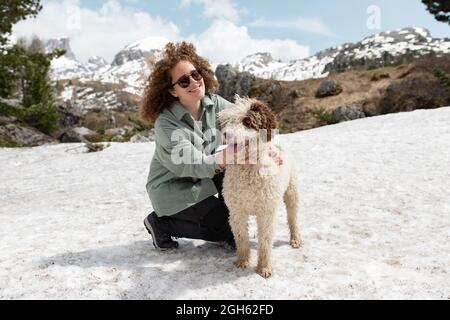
column 259, row 116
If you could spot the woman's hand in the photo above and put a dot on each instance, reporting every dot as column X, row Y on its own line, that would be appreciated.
column 276, row 154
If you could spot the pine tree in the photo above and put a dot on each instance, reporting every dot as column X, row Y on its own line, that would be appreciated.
column 24, row 68
column 11, row 12
column 439, row 8
column 37, row 91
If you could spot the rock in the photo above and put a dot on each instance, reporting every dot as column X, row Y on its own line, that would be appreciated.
column 139, row 139
column 60, row 44
column 328, row 88
column 5, row 119
column 82, row 131
column 75, row 135
column 294, row 94
column 347, row 113
column 415, row 91
column 68, row 117
column 371, row 108
column 119, row 131
column 97, row 62
column 23, row 135
column 117, row 139
column 233, row 82
column 268, row 91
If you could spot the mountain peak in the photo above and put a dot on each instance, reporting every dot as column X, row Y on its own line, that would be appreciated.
column 410, row 34
column 263, row 58
column 144, row 48
column 148, row 44
column 60, row 44
column 98, row 61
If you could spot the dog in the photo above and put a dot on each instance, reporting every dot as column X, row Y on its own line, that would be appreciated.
column 257, row 187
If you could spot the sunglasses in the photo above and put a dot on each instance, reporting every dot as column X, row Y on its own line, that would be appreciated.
column 185, row 81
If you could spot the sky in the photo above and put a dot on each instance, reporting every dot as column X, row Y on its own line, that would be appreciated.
column 224, row 30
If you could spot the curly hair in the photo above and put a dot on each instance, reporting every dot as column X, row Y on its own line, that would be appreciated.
column 156, row 94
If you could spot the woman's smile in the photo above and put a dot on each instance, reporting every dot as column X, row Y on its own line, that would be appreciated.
column 196, row 89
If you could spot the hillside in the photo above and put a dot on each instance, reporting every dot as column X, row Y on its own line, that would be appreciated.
column 389, row 72
column 423, row 84
column 374, row 218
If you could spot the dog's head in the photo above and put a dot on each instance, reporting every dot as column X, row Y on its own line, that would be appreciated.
column 247, row 118
column 249, row 121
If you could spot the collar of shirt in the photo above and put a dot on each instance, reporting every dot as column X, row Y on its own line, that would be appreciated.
column 179, row 112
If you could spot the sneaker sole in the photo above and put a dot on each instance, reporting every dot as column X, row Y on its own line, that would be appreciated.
column 150, row 231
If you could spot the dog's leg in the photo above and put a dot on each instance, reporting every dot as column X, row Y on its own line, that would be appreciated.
column 265, row 223
column 292, row 201
column 239, row 226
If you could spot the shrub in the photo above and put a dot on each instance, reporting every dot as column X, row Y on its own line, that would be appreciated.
column 43, row 117
column 324, row 115
column 416, row 91
column 7, row 142
column 95, row 147
column 444, row 77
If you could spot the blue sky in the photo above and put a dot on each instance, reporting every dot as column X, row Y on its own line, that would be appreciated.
column 227, row 29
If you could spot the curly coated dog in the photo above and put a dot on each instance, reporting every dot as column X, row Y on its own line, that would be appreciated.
column 257, row 185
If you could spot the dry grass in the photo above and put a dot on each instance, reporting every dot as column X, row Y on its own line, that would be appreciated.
column 366, row 89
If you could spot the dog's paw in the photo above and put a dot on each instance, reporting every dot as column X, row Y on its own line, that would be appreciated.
column 265, row 272
column 296, row 243
column 242, row 263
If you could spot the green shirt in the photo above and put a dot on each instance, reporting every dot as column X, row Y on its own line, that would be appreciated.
column 173, row 184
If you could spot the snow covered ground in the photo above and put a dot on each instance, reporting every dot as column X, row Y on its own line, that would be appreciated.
column 375, row 218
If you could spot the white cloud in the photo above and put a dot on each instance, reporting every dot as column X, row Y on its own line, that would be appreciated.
column 225, row 9
column 223, row 42
column 313, row 25
column 106, row 31
column 101, row 33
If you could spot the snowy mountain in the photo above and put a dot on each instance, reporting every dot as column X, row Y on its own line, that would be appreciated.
column 376, row 48
column 67, row 66
column 130, row 67
column 374, row 217
column 60, row 44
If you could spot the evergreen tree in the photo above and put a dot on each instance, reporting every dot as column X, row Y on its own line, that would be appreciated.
column 439, row 8
column 11, row 12
column 35, row 86
column 24, row 68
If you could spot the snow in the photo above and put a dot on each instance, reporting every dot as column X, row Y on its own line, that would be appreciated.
column 374, row 217
column 421, row 31
column 67, row 93
column 133, row 73
column 148, row 44
column 64, row 63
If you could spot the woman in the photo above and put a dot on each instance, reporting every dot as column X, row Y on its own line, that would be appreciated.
column 185, row 173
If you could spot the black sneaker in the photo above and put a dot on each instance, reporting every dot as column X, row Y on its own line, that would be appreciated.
column 161, row 240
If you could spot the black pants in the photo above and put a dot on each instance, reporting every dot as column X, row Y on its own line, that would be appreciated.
column 206, row 220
